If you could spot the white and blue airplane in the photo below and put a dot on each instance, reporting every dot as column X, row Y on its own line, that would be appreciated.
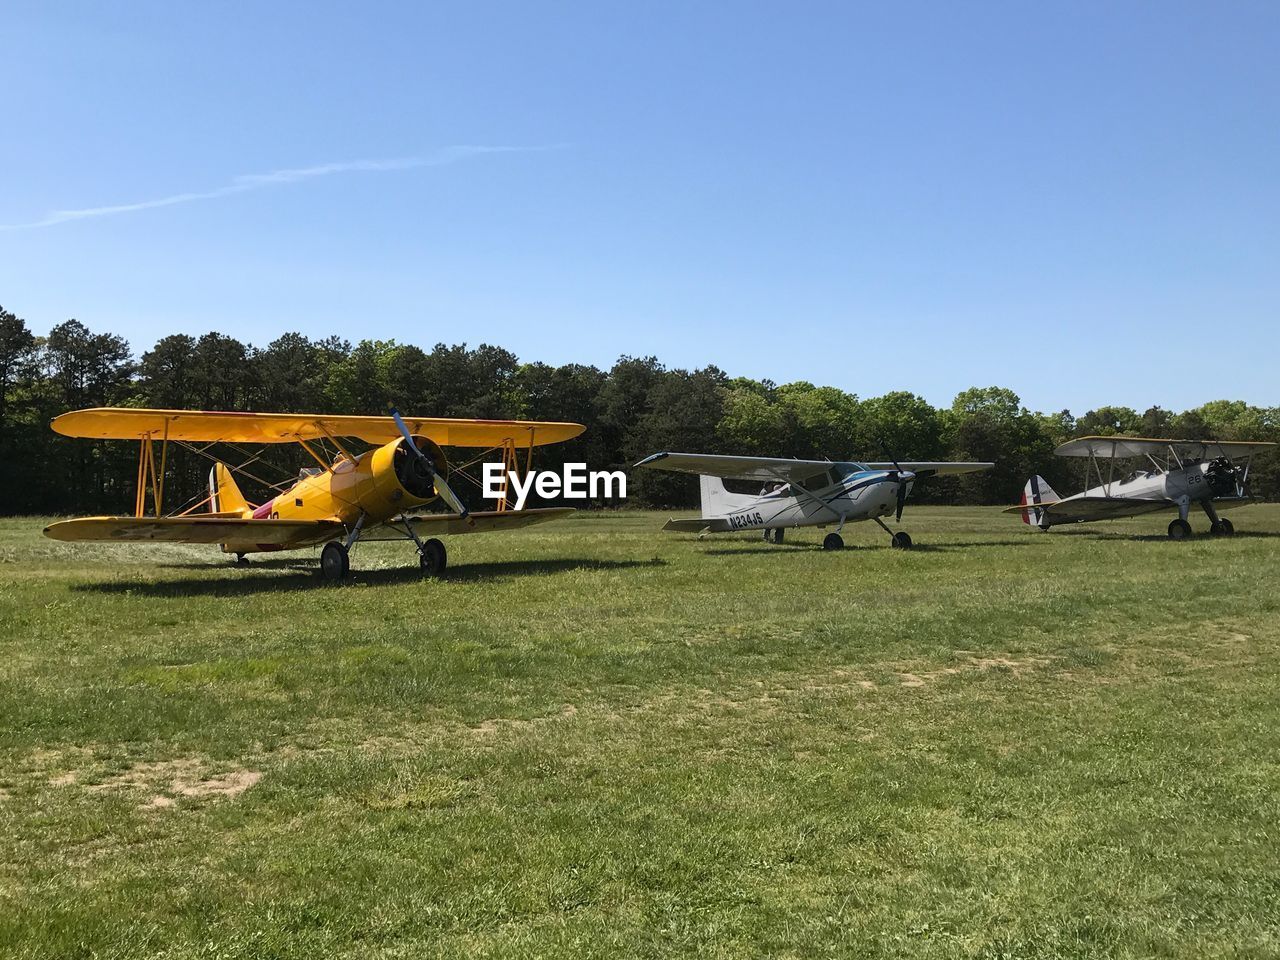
column 799, row 493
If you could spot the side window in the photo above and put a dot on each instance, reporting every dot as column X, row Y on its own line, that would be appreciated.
column 820, row 481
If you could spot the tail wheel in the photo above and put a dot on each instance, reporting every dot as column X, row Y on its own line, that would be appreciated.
column 1179, row 529
column 901, row 541
column 434, row 558
column 335, row 564
column 832, row 541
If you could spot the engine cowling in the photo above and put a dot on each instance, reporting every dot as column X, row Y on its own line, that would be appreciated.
column 398, row 479
column 1222, row 476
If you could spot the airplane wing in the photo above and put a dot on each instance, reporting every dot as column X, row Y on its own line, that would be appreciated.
column 281, row 533
column 199, row 426
column 1117, row 447
column 486, row 521
column 1076, row 509
column 740, row 468
column 931, row 468
column 196, row 529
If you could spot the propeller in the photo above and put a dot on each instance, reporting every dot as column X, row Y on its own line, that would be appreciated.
column 442, row 488
column 904, row 478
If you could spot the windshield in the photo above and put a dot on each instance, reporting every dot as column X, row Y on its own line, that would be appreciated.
column 843, row 471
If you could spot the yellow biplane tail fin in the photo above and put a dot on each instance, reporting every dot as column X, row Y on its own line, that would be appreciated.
column 224, row 493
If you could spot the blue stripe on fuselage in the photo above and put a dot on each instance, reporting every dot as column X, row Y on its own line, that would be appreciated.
column 854, row 482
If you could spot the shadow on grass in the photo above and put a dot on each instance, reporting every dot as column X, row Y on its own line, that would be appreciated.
column 282, row 563
column 1163, row 538
column 917, row 547
column 309, row 578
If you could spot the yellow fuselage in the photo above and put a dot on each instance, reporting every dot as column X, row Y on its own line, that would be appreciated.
column 366, row 486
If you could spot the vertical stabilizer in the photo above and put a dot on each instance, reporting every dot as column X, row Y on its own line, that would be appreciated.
column 1036, row 492
column 719, row 502
column 224, row 493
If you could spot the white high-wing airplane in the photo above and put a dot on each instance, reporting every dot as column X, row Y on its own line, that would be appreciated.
column 799, row 493
column 1190, row 471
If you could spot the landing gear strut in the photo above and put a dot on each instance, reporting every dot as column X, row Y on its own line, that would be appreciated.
column 1180, row 529
column 899, row 541
column 432, row 556
column 1218, row 526
column 335, row 558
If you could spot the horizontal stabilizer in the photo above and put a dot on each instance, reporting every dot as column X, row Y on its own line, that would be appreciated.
column 689, row 525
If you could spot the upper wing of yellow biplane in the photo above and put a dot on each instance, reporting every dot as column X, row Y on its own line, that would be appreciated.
column 122, row 423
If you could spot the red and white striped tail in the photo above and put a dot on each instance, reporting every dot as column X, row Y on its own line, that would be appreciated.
column 1035, row 493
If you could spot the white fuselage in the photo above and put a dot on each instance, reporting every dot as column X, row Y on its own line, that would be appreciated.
column 1190, row 482
column 849, row 494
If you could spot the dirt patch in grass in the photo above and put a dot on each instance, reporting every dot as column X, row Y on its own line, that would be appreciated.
column 164, row 782
column 496, row 724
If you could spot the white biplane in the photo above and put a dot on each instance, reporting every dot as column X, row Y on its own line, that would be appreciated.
column 1170, row 474
column 799, row 493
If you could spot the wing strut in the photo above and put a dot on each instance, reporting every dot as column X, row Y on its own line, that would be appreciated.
column 816, row 499
column 150, row 476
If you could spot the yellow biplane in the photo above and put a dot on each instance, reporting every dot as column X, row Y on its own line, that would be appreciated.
column 346, row 497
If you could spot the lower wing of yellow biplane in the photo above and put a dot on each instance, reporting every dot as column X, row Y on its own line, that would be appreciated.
column 283, row 534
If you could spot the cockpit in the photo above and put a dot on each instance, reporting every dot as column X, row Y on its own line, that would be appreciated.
column 306, row 472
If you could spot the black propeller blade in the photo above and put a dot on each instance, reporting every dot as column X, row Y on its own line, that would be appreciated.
column 897, row 475
column 442, row 488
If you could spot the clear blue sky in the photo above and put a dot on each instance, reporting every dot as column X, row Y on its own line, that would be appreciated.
column 1079, row 201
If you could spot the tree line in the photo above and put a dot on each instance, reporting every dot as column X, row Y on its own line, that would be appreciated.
column 635, row 408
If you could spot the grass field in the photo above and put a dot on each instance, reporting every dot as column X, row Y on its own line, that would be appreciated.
column 593, row 739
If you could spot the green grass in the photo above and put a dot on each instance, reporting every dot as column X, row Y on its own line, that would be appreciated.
column 594, row 739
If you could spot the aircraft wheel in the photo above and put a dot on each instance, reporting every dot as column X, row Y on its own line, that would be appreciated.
column 241, row 560
column 832, row 541
column 434, row 558
column 777, row 535
column 1223, row 528
column 1179, row 529
column 901, row 541
column 335, row 564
